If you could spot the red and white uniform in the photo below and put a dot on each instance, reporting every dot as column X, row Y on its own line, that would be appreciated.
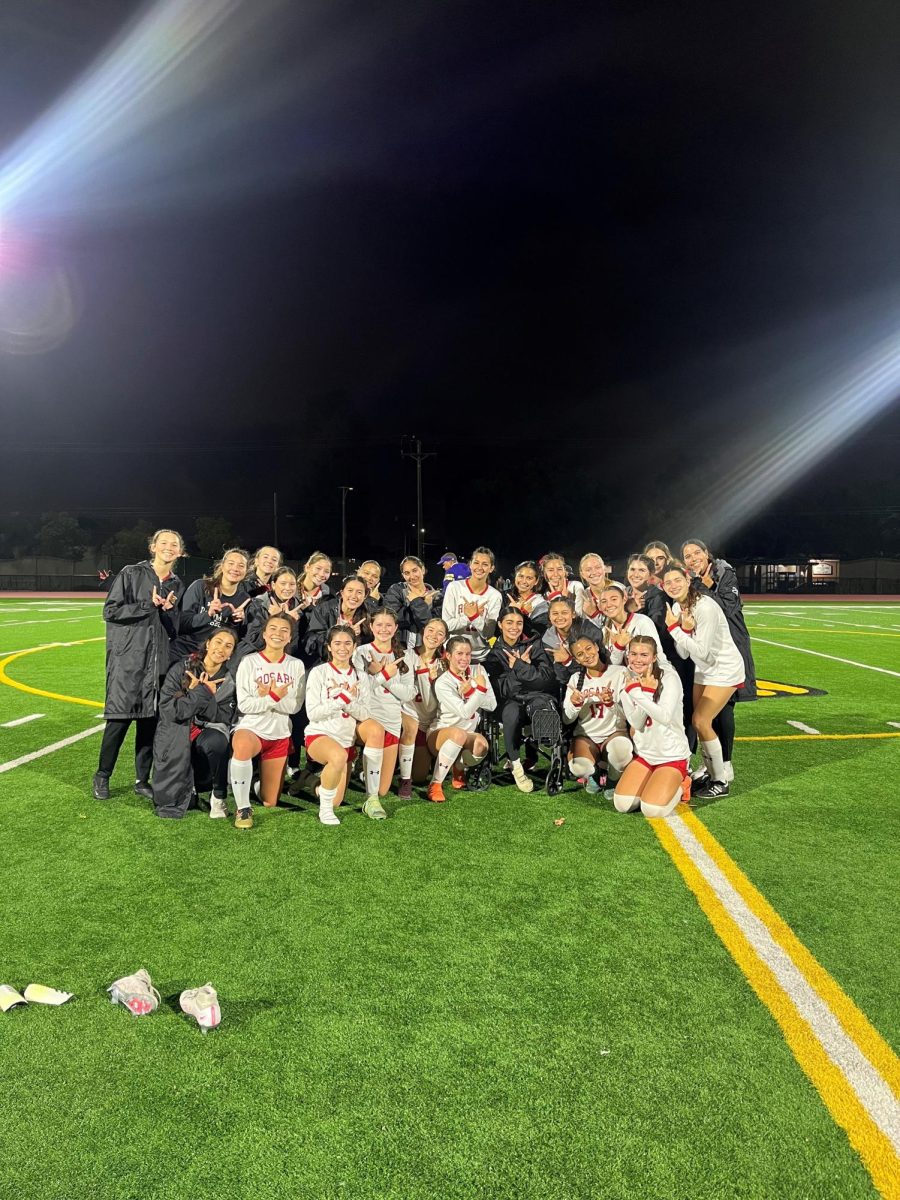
column 593, row 719
column 332, row 705
column 717, row 660
column 588, row 596
column 459, row 593
column 387, row 693
column 267, row 716
column 658, row 725
column 424, row 705
column 635, row 623
column 459, row 702
column 575, row 592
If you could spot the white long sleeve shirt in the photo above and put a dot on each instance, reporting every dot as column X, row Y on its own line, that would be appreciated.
column 459, row 593
column 592, row 718
column 658, row 725
column 575, row 592
column 387, row 693
column 335, row 701
column 424, row 705
column 717, row 660
column 457, row 709
column 267, row 716
column 635, row 623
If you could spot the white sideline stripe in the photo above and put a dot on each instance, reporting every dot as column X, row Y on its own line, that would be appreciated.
column 835, row 621
column 27, row 758
column 896, row 724
column 44, row 621
column 804, row 728
column 21, row 721
column 871, row 1089
column 833, row 657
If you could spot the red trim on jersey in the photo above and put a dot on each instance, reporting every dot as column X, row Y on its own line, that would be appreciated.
column 272, row 696
column 468, row 584
column 263, row 654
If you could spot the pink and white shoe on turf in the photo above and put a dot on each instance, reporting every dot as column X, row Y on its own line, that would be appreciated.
column 136, row 992
column 202, row 1004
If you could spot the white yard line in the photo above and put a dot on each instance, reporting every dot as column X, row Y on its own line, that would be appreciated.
column 833, row 657
column 834, row 621
column 44, row 621
column 804, row 728
column 896, row 724
column 27, row 758
column 21, row 721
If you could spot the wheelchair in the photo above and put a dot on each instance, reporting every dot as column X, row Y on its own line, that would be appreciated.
column 544, row 730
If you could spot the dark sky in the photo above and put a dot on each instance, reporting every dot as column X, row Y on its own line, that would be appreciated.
column 568, row 245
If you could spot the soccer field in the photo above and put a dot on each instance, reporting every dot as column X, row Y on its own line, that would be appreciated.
column 467, row 1000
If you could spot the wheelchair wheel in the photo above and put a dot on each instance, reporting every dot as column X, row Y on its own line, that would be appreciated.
column 555, row 773
column 479, row 778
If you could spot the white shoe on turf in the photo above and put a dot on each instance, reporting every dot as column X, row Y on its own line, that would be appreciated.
column 522, row 782
column 374, row 810
column 217, row 807
column 136, row 992
column 202, row 1004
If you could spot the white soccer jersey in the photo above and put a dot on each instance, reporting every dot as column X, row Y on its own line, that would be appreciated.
column 575, row 592
column 424, row 705
column 717, row 660
column 335, row 701
column 387, row 694
column 267, row 716
column 459, row 702
column 459, row 593
column 588, row 600
column 634, row 623
column 593, row 719
column 658, row 725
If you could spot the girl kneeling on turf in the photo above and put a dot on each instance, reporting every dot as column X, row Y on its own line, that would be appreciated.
column 461, row 695
column 391, row 684
column 699, row 629
column 651, row 702
column 270, row 688
column 336, row 699
column 420, row 713
column 591, row 703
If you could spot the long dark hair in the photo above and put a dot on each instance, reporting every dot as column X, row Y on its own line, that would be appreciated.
column 694, row 593
column 582, row 671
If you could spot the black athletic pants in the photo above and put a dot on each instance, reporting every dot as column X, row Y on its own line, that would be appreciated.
column 210, row 753
column 513, row 718
column 114, row 736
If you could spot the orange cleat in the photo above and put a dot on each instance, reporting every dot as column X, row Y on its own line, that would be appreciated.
column 686, row 790
column 436, row 793
column 459, row 777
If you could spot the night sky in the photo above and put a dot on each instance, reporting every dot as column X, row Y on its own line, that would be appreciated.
column 579, row 249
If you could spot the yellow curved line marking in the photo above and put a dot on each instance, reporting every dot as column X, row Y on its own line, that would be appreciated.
column 33, row 691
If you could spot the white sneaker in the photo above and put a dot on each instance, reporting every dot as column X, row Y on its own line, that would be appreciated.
column 522, row 782
column 217, row 807
column 374, row 810
column 136, row 992
column 202, row 1004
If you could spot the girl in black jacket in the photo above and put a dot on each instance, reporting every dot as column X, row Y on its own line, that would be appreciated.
column 215, row 602
column 413, row 602
column 191, row 748
column 523, row 680
column 139, row 612
column 347, row 608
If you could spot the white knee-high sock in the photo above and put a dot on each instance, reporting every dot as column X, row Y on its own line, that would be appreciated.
column 407, row 753
column 581, row 767
column 619, row 753
column 447, row 756
column 712, row 752
column 661, row 810
column 327, row 814
column 728, row 777
column 240, row 772
column 372, row 759
column 626, row 803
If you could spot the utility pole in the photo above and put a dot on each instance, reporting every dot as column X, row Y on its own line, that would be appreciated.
column 418, row 457
column 344, row 490
column 275, row 519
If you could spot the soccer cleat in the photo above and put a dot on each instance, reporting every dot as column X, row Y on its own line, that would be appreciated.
column 374, row 810
column 243, row 819
column 591, row 786
column 712, row 790
column 459, row 777
column 202, row 1004
column 686, row 790
column 699, row 781
column 522, row 782
column 143, row 789
column 136, row 992
column 218, row 807
column 436, row 793
column 100, row 787
column 404, row 791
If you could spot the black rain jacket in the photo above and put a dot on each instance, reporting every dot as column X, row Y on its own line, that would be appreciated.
column 522, row 679
column 138, row 634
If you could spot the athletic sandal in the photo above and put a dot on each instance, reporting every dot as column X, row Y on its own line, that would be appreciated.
column 136, row 992
column 404, row 791
column 436, row 793
column 459, row 777
column 373, row 809
column 243, row 819
column 202, row 1004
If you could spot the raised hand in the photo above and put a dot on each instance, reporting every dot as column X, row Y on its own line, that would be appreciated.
column 687, row 622
column 606, row 695
column 238, row 614
column 622, row 637
column 478, row 678
column 526, row 655
column 193, row 680
column 471, row 610
column 561, row 653
column 577, row 698
column 281, row 691
column 276, row 609
column 215, row 605
column 375, row 665
column 671, row 619
column 511, row 658
column 262, row 688
column 650, row 681
column 637, row 600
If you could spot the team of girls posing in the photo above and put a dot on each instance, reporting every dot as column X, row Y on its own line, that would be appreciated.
column 254, row 661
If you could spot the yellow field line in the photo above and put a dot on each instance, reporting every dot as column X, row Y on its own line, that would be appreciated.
column 815, row 737
column 839, row 1097
column 33, row 691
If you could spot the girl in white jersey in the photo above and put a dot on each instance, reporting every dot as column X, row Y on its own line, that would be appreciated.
column 270, row 688
column 651, row 702
column 471, row 606
column 336, row 700
column 590, row 703
column 620, row 626
column 391, row 685
column 558, row 582
column 419, row 713
column 461, row 693
column 699, row 629
column 593, row 571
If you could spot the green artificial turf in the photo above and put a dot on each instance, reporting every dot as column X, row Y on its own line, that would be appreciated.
column 464, row 1001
